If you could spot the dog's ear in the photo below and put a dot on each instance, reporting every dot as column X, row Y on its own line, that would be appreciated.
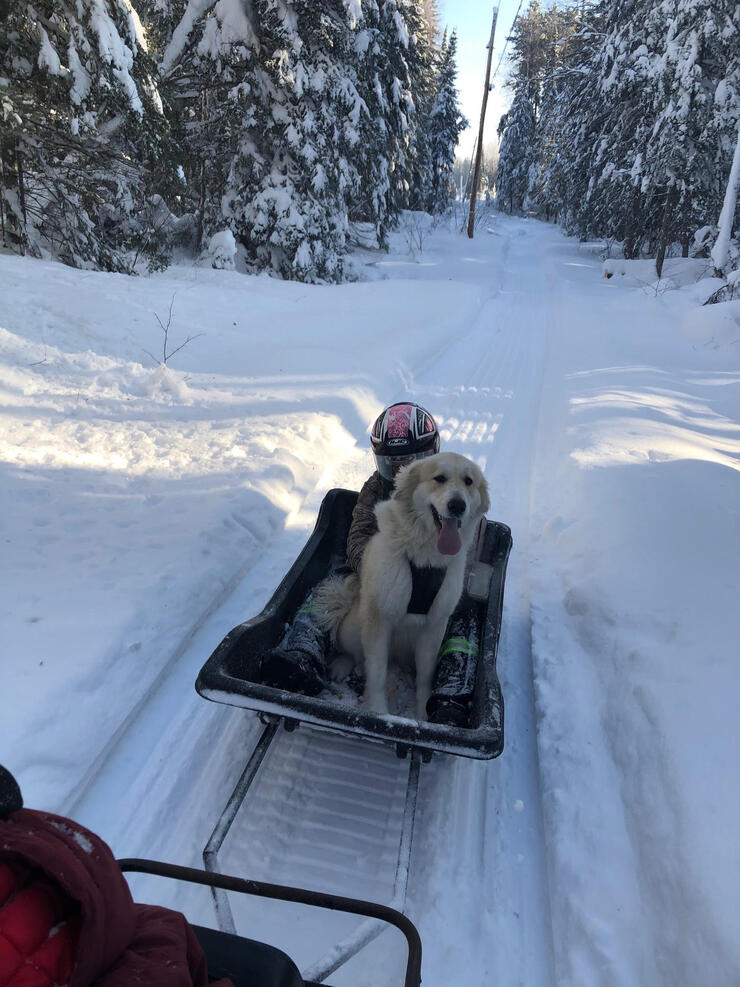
column 406, row 481
column 485, row 499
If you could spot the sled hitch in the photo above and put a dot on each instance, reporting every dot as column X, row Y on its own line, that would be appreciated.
column 377, row 914
column 368, row 930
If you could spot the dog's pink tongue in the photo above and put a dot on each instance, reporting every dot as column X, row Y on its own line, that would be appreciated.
column 449, row 542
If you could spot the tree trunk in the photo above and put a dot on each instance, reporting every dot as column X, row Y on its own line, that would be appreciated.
column 633, row 240
column 665, row 230
column 659, row 258
column 721, row 249
column 21, row 185
column 2, row 197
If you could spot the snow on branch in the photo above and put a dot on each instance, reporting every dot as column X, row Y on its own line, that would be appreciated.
column 720, row 250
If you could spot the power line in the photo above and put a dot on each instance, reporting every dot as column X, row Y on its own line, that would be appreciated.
column 503, row 52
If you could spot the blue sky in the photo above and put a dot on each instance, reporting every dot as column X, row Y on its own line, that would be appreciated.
column 472, row 19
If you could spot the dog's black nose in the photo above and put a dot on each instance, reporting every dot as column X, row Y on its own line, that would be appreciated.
column 456, row 506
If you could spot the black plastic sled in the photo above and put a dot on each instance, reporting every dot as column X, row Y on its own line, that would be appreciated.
column 232, row 673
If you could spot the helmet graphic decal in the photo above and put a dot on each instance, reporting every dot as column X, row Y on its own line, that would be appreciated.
column 402, row 433
column 399, row 421
column 424, row 423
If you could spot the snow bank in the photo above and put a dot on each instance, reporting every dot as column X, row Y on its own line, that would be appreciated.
column 221, row 252
column 714, row 325
column 677, row 271
column 133, row 498
column 635, row 548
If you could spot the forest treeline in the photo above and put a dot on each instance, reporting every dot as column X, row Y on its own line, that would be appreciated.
column 131, row 127
column 624, row 122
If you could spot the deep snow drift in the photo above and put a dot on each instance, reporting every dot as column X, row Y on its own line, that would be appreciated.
column 147, row 510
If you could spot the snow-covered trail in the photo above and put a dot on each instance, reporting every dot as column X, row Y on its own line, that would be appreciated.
column 487, row 389
column 481, row 377
column 146, row 513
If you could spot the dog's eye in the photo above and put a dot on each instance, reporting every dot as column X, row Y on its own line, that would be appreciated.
column 440, row 478
column 468, row 481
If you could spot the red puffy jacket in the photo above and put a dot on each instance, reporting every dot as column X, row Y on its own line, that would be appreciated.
column 67, row 916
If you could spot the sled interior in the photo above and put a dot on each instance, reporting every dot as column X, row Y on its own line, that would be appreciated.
column 232, row 673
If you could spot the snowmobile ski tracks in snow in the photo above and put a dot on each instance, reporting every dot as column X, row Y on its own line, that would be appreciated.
column 232, row 674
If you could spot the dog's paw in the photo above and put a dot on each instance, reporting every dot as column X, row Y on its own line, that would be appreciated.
column 340, row 668
column 376, row 704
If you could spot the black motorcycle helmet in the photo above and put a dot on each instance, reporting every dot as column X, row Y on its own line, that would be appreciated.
column 402, row 433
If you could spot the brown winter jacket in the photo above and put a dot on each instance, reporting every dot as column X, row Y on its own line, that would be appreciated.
column 364, row 523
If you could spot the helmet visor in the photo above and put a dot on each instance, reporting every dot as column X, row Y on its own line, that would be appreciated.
column 388, row 466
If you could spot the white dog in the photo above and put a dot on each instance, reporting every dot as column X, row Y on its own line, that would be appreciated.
column 411, row 576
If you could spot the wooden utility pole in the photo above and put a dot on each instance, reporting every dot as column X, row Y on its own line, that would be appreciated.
column 479, row 149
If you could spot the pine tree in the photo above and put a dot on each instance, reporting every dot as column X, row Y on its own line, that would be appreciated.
column 432, row 18
column 85, row 143
column 680, row 182
column 534, row 42
column 637, row 112
column 624, row 65
column 445, row 125
column 286, row 192
column 516, row 153
column 579, row 114
column 277, row 119
column 384, row 86
column 206, row 53
column 560, row 90
column 160, row 19
column 419, row 57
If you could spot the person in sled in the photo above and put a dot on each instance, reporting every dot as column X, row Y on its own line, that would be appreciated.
column 402, row 433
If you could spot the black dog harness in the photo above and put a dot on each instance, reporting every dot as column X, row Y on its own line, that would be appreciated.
column 425, row 583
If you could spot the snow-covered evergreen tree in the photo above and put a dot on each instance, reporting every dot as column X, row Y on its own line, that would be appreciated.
column 384, row 85
column 160, row 19
column 276, row 119
column 432, row 18
column 625, row 66
column 419, row 71
column 304, row 114
column 535, row 39
column 516, row 153
column 638, row 108
column 562, row 97
column 207, row 53
column 84, row 142
column 286, row 193
column 680, row 182
column 445, row 125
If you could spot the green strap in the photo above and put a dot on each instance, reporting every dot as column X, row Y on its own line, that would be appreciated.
column 461, row 644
